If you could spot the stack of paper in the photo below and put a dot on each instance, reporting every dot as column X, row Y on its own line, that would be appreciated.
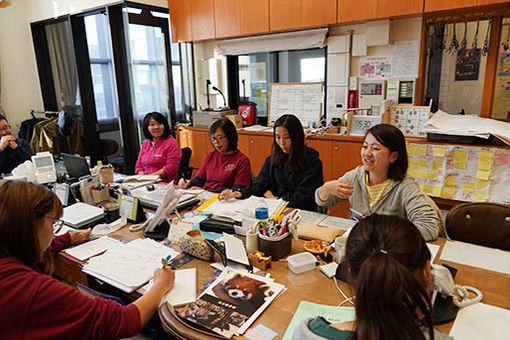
column 129, row 266
column 233, row 302
column 81, row 214
column 244, row 207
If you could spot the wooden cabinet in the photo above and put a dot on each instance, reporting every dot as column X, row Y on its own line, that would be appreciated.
column 356, row 10
column 440, row 5
column 323, row 147
column 386, row 9
column 226, row 18
column 284, row 14
column 259, row 147
column 490, row 2
column 202, row 19
column 198, row 142
column 180, row 19
column 318, row 12
column 254, row 16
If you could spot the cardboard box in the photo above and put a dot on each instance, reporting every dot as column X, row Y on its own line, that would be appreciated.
column 237, row 120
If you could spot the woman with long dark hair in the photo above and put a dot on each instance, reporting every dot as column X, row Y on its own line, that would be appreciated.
column 293, row 171
column 388, row 263
column 381, row 184
column 35, row 305
column 160, row 153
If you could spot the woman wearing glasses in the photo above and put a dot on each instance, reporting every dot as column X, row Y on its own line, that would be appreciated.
column 225, row 168
column 13, row 151
column 381, row 185
column 36, row 306
column 293, row 171
column 160, row 153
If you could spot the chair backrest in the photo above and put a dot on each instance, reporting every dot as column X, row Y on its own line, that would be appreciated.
column 486, row 224
column 109, row 146
column 184, row 168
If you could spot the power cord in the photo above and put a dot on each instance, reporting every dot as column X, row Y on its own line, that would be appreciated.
column 347, row 299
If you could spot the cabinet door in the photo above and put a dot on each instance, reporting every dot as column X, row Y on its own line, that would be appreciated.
column 180, row 20
column 200, row 145
column 386, row 9
column 439, row 5
column 243, row 144
column 489, row 2
column 284, row 14
column 182, row 138
column 324, row 149
column 318, row 12
column 226, row 18
column 355, row 10
column 259, row 149
column 254, row 16
column 345, row 157
column 202, row 19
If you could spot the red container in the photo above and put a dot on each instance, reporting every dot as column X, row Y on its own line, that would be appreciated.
column 248, row 114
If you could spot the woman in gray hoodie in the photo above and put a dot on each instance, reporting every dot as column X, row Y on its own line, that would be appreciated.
column 381, row 184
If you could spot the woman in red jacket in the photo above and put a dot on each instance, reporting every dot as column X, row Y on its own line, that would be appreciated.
column 36, row 306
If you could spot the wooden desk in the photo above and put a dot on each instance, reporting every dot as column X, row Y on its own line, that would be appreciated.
column 313, row 286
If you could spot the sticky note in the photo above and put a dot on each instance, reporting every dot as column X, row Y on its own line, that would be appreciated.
column 485, row 161
column 502, row 158
column 420, row 174
column 480, row 196
column 412, row 172
column 437, row 165
column 418, row 163
column 431, row 190
column 481, row 183
column 432, row 175
column 483, row 174
column 448, row 192
column 450, row 181
column 460, row 159
column 420, row 150
column 468, row 187
column 439, row 151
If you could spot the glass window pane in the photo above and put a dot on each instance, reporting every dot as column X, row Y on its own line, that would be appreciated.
column 258, row 71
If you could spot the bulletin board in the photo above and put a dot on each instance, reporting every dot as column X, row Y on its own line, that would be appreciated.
column 304, row 100
column 410, row 119
column 472, row 174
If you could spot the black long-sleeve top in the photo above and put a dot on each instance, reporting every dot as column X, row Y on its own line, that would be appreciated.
column 298, row 188
column 11, row 158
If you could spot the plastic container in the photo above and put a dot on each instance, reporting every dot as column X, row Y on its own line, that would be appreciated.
column 261, row 210
column 301, row 262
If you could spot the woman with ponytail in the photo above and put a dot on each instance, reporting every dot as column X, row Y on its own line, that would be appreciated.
column 389, row 269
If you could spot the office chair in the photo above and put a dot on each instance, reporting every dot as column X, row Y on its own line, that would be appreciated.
column 184, row 169
column 486, row 224
column 110, row 147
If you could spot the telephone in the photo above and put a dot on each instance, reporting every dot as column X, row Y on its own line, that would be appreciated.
column 158, row 226
column 43, row 168
column 447, row 297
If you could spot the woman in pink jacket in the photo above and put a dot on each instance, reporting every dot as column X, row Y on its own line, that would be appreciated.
column 160, row 153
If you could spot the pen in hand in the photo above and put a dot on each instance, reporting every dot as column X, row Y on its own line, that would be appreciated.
column 165, row 261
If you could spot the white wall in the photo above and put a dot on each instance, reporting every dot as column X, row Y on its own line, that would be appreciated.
column 20, row 81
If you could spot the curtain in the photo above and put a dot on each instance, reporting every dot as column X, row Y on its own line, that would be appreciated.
column 63, row 61
column 274, row 42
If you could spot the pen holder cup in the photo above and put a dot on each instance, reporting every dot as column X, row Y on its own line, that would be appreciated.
column 276, row 247
column 100, row 195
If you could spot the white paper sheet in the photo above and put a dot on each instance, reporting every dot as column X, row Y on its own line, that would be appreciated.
column 91, row 248
column 433, row 251
column 477, row 256
column 234, row 249
column 337, row 222
column 481, row 321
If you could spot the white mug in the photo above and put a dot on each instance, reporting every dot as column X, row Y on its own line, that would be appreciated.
column 340, row 242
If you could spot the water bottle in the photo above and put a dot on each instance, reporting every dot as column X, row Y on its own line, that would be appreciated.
column 261, row 210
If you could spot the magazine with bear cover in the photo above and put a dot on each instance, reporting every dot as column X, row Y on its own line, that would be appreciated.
column 232, row 302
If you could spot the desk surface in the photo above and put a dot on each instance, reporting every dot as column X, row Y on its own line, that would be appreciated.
column 313, row 286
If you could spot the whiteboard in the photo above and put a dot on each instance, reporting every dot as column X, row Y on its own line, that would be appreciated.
column 303, row 100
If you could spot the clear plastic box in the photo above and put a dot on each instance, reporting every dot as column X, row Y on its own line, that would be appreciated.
column 301, row 262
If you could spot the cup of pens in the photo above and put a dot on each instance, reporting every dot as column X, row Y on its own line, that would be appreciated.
column 100, row 193
column 274, row 239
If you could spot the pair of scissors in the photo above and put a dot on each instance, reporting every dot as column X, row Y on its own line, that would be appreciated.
column 292, row 222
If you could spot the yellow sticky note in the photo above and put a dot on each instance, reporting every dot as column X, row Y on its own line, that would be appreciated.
column 481, row 183
column 439, row 151
column 412, row 172
column 460, row 159
column 418, row 163
column 483, row 174
column 468, row 187
column 485, row 161
column 431, row 190
column 432, row 175
column 437, row 165
column 480, row 196
column 420, row 150
column 450, row 181
column 421, row 173
column 448, row 192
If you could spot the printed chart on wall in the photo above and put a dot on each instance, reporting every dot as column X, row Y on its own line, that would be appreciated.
column 304, row 100
column 410, row 119
column 472, row 174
